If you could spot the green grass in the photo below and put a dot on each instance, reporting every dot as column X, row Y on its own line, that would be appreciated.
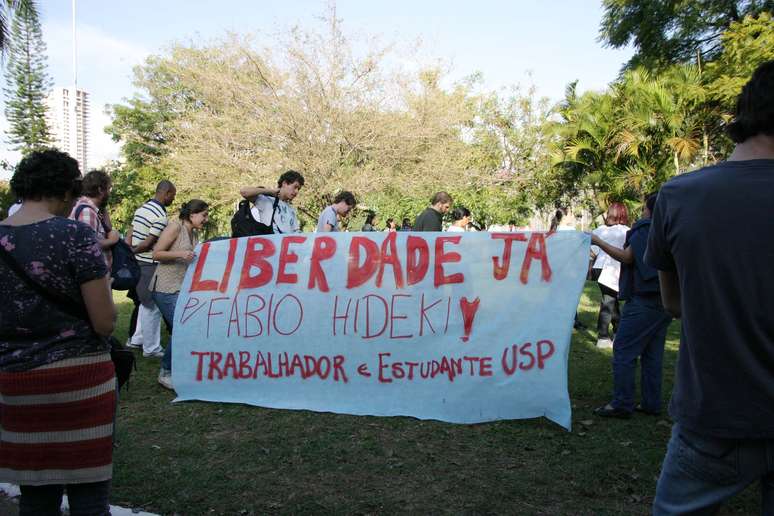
column 214, row 458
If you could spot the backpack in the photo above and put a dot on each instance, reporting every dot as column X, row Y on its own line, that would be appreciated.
column 125, row 270
column 243, row 224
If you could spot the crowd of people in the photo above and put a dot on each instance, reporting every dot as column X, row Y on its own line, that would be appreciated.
column 699, row 252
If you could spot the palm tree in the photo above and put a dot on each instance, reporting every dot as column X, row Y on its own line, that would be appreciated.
column 7, row 9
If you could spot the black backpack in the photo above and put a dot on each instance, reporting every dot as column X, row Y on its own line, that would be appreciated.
column 243, row 224
column 125, row 270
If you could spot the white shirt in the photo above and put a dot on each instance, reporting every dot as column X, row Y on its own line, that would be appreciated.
column 285, row 219
column 611, row 269
column 454, row 229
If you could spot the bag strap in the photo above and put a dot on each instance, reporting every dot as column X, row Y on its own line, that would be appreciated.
column 82, row 207
column 63, row 303
column 273, row 212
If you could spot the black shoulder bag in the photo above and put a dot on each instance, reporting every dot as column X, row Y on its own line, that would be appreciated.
column 123, row 358
column 243, row 224
column 125, row 270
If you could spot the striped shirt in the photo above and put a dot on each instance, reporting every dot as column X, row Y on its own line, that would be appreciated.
column 150, row 219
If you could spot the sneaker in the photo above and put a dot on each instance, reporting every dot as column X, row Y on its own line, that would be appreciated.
column 130, row 344
column 604, row 344
column 639, row 408
column 154, row 354
column 610, row 411
column 165, row 380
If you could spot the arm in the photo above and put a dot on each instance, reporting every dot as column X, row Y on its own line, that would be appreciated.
column 161, row 252
column 252, row 192
column 670, row 292
column 621, row 255
column 145, row 245
column 109, row 240
column 99, row 305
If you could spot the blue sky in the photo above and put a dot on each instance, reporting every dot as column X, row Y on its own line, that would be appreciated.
column 508, row 42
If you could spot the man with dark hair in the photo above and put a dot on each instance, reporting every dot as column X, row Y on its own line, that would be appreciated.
column 271, row 206
column 149, row 221
column 91, row 209
column 329, row 217
column 711, row 243
column 432, row 218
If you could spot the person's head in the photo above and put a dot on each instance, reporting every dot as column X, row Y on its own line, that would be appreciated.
column 617, row 214
column 97, row 186
column 165, row 192
column 390, row 223
column 196, row 212
column 406, row 224
column 441, row 202
column 755, row 106
column 650, row 203
column 557, row 219
column 370, row 218
column 344, row 202
column 289, row 184
column 461, row 216
column 51, row 176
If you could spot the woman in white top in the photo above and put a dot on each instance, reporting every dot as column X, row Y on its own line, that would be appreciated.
column 461, row 217
column 606, row 270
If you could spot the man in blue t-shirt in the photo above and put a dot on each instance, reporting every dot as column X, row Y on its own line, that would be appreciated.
column 329, row 217
column 712, row 240
column 643, row 326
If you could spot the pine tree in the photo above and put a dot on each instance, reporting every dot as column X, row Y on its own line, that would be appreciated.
column 27, row 83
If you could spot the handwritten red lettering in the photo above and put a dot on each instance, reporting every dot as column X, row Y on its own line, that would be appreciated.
column 442, row 257
column 324, row 249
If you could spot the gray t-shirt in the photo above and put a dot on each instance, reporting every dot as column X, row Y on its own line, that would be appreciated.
column 328, row 216
column 714, row 228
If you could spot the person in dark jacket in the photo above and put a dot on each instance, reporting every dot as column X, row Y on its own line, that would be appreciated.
column 643, row 327
column 432, row 218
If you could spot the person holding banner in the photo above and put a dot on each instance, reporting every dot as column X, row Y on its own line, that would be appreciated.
column 280, row 215
column 174, row 251
column 642, row 331
column 329, row 217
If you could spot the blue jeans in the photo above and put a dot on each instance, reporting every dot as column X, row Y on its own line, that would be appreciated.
column 700, row 472
column 84, row 499
column 166, row 303
column 641, row 334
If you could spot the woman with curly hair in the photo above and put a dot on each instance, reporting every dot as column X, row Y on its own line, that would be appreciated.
column 57, row 382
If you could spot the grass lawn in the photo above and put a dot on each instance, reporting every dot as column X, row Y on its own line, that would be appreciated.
column 215, row 458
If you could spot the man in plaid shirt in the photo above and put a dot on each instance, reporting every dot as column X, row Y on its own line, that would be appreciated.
column 90, row 209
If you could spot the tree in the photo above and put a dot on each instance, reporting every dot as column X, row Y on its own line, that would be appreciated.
column 624, row 143
column 220, row 116
column 666, row 32
column 746, row 44
column 7, row 9
column 27, row 82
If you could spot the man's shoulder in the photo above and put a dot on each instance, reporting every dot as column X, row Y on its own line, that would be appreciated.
column 704, row 177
